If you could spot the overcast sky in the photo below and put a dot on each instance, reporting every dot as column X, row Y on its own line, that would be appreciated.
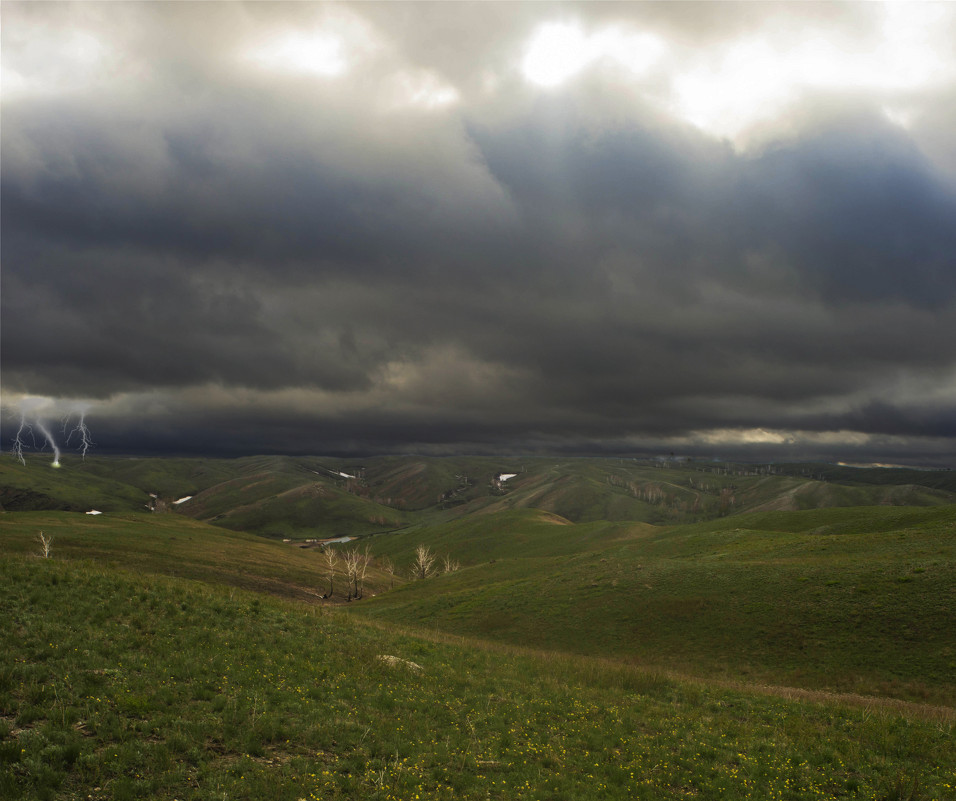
column 456, row 227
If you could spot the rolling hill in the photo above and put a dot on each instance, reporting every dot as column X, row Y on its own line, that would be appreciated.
column 614, row 629
column 119, row 684
column 849, row 599
column 309, row 497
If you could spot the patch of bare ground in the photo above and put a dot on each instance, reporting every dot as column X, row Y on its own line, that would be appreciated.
column 11, row 721
column 312, row 490
column 784, row 503
column 275, row 587
column 873, row 703
column 551, row 517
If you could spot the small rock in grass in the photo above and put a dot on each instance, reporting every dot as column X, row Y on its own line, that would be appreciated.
column 396, row 661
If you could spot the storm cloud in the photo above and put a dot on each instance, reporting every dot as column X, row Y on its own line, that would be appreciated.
column 354, row 228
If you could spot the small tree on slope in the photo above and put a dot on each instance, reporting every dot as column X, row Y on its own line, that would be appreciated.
column 331, row 562
column 424, row 560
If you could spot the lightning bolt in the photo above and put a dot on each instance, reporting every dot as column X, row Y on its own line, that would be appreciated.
column 82, row 433
column 32, row 423
column 24, row 430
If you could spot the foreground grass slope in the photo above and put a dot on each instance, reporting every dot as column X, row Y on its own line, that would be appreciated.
column 859, row 600
column 117, row 685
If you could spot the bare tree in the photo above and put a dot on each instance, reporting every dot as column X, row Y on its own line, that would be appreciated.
column 361, row 568
column 351, row 560
column 331, row 562
column 356, row 568
column 424, row 560
column 389, row 567
column 46, row 543
column 450, row 565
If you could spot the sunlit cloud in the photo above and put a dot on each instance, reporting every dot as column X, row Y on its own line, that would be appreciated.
column 902, row 117
column 311, row 53
column 917, row 50
column 746, row 85
column 556, row 52
column 738, row 84
column 767, row 436
column 636, row 52
column 330, row 46
column 729, row 87
column 37, row 60
column 559, row 50
column 420, row 89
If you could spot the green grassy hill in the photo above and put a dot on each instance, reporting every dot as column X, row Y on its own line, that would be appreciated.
column 805, row 598
column 168, row 478
column 943, row 480
column 587, row 490
column 119, row 684
column 37, row 487
column 171, row 545
column 271, row 495
column 305, row 497
column 858, row 600
column 423, row 483
column 505, row 535
column 291, row 498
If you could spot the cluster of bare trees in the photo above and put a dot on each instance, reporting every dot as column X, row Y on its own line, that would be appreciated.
column 356, row 566
column 450, row 565
column 426, row 563
column 353, row 563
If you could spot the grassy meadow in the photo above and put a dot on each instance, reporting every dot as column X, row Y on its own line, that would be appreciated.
column 171, row 545
column 123, row 685
column 762, row 651
column 855, row 600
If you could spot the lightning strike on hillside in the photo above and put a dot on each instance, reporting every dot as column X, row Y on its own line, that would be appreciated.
column 52, row 443
column 33, row 412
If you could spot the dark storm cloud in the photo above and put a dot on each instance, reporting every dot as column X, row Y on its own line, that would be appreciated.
column 858, row 208
column 234, row 260
column 237, row 188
